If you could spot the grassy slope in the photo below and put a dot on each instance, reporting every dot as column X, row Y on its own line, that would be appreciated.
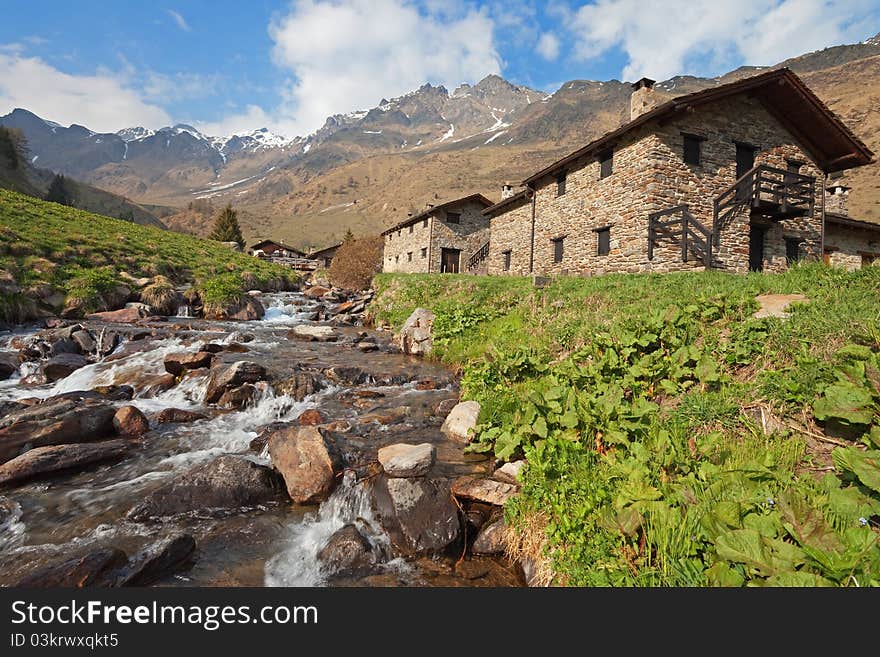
column 638, row 400
column 84, row 256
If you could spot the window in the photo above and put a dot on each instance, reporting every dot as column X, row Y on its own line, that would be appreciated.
column 425, row 223
column 606, row 163
column 409, row 256
column 453, row 217
column 397, row 258
column 558, row 249
column 411, row 228
column 424, row 252
column 398, row 233
column 603, row 241
column 794, row 166
column 792, row 249
column 560, row 183
column 692, row 148
column 506, row 255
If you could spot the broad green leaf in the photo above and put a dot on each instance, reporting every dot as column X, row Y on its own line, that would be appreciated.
column 798, row 579
column 768, row 526
column 540, row 427
column 721, row 574
column 849, row 504
column 846, row 403
column 506, row 445
column 746, row 546
column 854, row 352
column 865, row 465
column 874, row 436
column 806, row 524
column 707, row 369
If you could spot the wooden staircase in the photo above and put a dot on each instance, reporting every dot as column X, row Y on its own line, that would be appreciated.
column 478, row 258
column 764, row 191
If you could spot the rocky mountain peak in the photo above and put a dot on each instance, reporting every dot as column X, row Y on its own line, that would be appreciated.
column 875, row 40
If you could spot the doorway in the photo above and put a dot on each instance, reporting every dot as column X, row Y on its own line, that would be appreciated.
column 745, row 162
column 756, row 247
column 449, row 261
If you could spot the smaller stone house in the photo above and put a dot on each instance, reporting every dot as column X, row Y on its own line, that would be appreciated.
column 849, row 243
column 324, row 257
column 444, row 238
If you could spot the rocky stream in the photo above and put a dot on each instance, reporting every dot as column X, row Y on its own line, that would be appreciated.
column 293, row 450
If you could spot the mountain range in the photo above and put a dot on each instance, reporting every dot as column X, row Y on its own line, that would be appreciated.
column 365, row 170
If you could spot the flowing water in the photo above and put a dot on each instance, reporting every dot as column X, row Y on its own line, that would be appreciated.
column 276, row 545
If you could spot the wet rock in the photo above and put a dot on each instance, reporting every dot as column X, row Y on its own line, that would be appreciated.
column 352, row 376
column 482, row 489
column 7, row 407
column 368, row 394
column 177, row 364
column 239, row 398
column 366, row 347
column 308, row 460
column 236, row 348
column 84, row 341
column 478, row 514
column 472, row 570
column 300, row 385
column 155, row 384
column 79, row 572
column 8, row 365
column 49, row 460
column 63, row 365
column 313, row 333
column 123, row 316
column 461, row 421
column 64, row 346
column 212, row 348
column 428, row 384
column 403, row 460
column 386, row 416
column 224, row 484
column 225, row 377
column 445, row 407
column 243, row 338
column 178, row 416
column 418, row 515
column 416, row 336
column 311, row 418
column 491, row 539
column 509, row 472
column 54, row 423
column 248, row 310
column 338, row 426
column 129, row 421
column 115, row 393
column 347, row 552
column 154, row 563
column 316, row 292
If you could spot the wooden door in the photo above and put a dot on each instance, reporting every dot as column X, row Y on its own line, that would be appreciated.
column 756, row 248
column 745, row 162
column 449, row 261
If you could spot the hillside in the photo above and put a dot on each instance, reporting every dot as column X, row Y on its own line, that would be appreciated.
column 55, row 259
column 364, row 170
column 670, row 438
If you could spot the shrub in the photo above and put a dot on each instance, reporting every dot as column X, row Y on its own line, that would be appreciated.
column 161, row 296
column 356, row 262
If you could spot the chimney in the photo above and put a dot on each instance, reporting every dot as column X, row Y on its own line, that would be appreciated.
column 836, row 199
column 643, row 98
column 428, row 206
column 506, row 190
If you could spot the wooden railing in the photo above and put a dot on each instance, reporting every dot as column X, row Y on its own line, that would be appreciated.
column 678, row 225
column 478, row 257
column 775, row 191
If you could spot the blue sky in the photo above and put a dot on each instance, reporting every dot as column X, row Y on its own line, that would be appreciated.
column 232, row 66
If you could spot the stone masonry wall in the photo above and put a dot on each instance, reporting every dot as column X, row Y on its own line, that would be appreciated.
column 511, row 231
column 649, row 174
column 467, row 236
column 406, row 249
column 851, row 248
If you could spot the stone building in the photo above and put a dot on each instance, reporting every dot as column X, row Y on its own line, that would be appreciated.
column 849, row 242
column 724, row 178
column 445, row 238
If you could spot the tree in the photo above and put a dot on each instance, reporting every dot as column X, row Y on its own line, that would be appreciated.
column 348, row 236
column 356, row 262
column 226, row 228
column 58, row 191
column 13, row 147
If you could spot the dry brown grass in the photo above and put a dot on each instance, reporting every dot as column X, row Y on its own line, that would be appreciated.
column 161, row 296
column 527, row 543
column 356, row 262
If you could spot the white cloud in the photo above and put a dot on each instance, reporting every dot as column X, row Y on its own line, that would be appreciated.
column 179, row 86
column 682, row 36
column 347, row 56
column 180, row 20
column 104, row 102
column 251, row 118
column 548, row 46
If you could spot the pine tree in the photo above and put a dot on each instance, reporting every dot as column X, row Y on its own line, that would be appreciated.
column 348, row 236
column 226, row 228
column 58, row 192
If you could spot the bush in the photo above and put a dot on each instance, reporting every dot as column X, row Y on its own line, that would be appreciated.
column 161, row 296
column 356, row 262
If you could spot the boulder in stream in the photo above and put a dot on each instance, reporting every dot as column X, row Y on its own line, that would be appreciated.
column 347, row 552
column 308, row 460
column 155, row 562
column 63, row 365
column 483, row 489
column 178, row 416
column 402, row 460
column 49, row 460
column 419, row 515
column 226, row 377
column 300, row 385
column 313, row 333
column 416, row 336
column 90, row 569
column 224, row 484
column 54, row 423
column 460, row 422
column 8, row 365
column 129, row 421
column 179, row 363
column 240, row 397
column 491, row 539
column 123, row 316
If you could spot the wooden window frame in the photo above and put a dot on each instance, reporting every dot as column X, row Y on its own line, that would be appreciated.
column 457, row 216
column 695, row 141
column 507, row 258
column 561, row 183
column 558, row 249
column 606, row 163
column 424, row 252
column 409, row 256
column 602, row 230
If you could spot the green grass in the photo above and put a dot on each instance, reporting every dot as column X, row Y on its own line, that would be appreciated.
column 638, row 402
column 83, row 256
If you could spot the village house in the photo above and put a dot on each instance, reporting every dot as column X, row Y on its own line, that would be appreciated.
column 728, row 178
column 850, row 243
column 324, row 257
column 275, row 249
column 444, row 238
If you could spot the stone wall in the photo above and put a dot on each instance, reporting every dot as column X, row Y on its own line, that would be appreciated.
column 649, row 174
column 417, row 248
column 511, row 231
column 851, row 248
column 406, row 249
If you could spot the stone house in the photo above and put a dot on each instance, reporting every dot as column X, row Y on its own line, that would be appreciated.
column 324, row 257
column 445, row 238
column 275, row 249
column 724, row 178
column 849, row 242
